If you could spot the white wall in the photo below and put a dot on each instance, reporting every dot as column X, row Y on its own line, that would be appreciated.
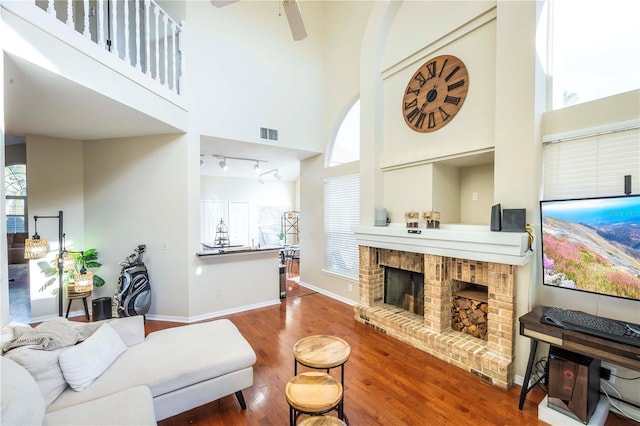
column 244, row 72
column 136, row 193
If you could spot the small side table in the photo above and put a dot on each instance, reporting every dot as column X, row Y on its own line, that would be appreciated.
column 322, row 352
column 73, row 295
column 313, row 393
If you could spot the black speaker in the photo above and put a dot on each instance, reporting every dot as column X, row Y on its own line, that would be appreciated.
column 496, row 218
column 574, row 383
column 514, row 220
column 627, row 184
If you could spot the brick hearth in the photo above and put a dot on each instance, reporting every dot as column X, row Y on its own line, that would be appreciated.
column 491, row 359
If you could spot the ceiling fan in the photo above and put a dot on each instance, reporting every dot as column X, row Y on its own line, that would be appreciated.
column 291, row 10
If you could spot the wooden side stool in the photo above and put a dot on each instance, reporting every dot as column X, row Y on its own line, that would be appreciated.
column 313, row 393
column 323, row 352
column 74, row 295
column 322, row 421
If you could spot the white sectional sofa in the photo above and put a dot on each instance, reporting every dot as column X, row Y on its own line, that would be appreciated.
column 149, row 379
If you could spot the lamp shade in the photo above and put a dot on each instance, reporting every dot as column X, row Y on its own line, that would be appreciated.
column 35, row 248
column 68, row 261
column 83, row 281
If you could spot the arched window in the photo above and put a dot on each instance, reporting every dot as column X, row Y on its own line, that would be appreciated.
column 15, row 178
column 346, row 146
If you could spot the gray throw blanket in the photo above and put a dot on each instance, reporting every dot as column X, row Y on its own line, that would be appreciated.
column 54, row 333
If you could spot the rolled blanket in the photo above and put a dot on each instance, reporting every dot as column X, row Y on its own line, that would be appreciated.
column 54, row 333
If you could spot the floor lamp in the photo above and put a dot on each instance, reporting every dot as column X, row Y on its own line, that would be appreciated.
column 36, row 248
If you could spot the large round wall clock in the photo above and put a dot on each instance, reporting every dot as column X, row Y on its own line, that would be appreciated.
column 435, row 94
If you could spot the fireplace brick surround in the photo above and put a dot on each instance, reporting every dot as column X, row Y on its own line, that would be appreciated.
column 492, row 359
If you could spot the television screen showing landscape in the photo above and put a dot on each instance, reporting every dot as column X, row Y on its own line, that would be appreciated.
column 592, row 245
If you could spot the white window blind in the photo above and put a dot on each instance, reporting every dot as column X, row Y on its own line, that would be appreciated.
column 341, row 213
column 592, row 165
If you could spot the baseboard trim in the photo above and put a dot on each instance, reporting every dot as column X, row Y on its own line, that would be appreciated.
column 329, row 294
column 211, row 315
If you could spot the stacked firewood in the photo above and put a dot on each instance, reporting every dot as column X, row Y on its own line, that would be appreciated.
column 469, row 315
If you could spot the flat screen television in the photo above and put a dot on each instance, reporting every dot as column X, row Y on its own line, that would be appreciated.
column 592, row 245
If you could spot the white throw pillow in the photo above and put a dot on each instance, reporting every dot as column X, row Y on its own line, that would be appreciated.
column 44, row 367
column 86, row 361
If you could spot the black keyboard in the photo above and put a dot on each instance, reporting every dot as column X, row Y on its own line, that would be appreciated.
column 617, row 331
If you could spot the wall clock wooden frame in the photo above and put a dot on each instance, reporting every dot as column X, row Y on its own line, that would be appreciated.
column 435, row 93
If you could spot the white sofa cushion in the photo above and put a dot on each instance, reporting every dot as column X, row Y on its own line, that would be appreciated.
column 22, row 402
column 171, row 359
column 84, row 362
column 132, row 406
column 43, row 367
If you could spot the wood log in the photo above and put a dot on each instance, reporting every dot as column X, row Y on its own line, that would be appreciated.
column 469, row 315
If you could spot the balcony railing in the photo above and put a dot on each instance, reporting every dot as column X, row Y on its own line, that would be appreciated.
column 139, row 32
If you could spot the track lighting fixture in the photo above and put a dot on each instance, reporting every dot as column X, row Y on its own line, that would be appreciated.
column 275, row 175
column 224, row 164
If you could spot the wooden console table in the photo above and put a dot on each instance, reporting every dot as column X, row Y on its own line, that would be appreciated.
column 606, row 350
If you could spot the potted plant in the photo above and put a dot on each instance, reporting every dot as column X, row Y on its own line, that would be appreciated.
column 76, row 265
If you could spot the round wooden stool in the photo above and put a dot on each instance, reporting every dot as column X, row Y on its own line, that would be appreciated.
column 322, row 421
column 313, row 393
column 323, row 352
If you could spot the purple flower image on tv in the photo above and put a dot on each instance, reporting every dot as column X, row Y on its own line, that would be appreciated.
column 592, row 244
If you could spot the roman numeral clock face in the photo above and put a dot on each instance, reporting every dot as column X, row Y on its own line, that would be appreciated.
column 435, row 94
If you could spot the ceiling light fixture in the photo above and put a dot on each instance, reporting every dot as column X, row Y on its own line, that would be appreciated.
column 224, row 163
column 275, row 175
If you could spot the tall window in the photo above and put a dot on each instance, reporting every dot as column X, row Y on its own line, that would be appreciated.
column 346, row 146
column 594, row 49
column 341, row 212
column 15, row 177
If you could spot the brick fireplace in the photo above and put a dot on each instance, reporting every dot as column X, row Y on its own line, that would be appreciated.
column 483, row 258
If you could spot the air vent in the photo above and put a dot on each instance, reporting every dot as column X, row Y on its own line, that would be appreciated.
column 271, row 134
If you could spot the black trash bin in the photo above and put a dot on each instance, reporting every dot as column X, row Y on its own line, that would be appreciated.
column 101, row 308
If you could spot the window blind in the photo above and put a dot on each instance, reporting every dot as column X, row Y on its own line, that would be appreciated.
column 593, row 165
column 341, row 213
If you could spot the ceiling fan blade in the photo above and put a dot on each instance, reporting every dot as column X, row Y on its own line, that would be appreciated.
column 292, row 10
column 222, row 3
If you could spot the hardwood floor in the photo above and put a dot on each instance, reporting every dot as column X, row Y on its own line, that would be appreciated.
column 386, row 382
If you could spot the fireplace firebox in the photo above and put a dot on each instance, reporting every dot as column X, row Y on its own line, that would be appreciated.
column 404, row 289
